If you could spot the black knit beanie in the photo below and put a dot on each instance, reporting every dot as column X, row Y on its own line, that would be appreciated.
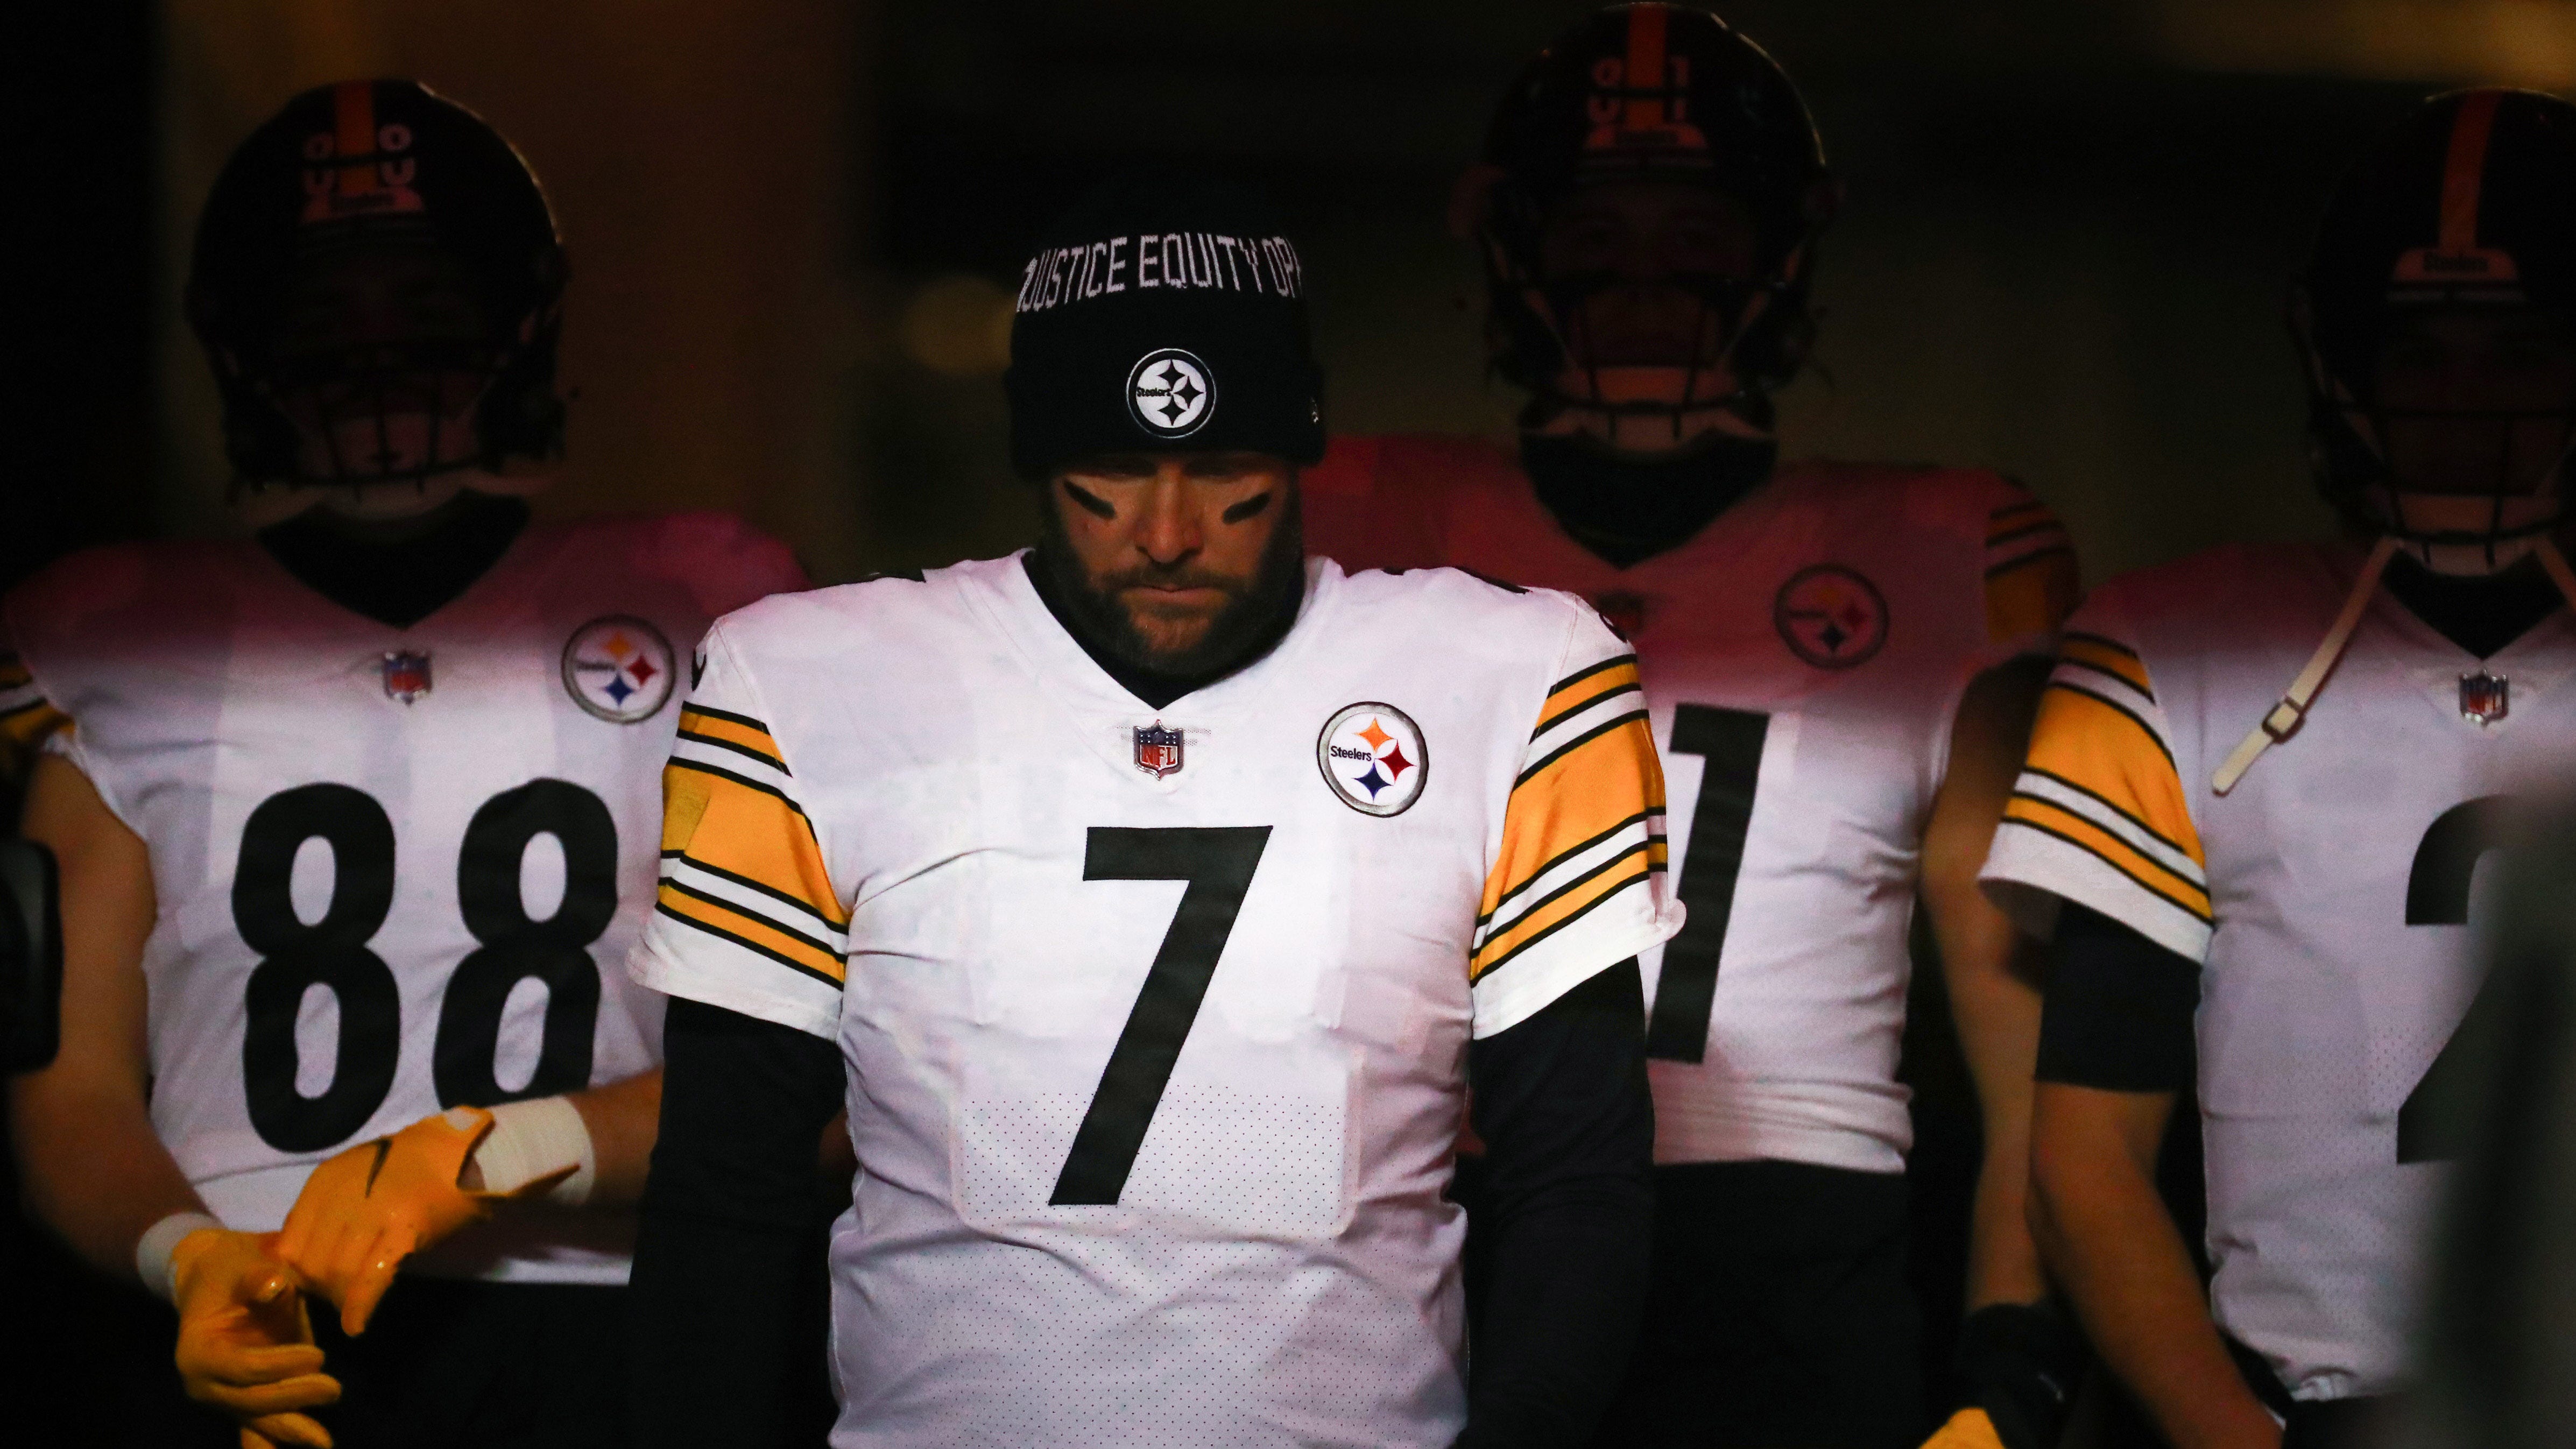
column 1162, row 313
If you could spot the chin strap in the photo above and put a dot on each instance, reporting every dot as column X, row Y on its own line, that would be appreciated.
column 2285, row 718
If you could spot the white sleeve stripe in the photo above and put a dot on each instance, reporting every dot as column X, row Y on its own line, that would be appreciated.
column 1579, row 730
column 1574, row 710
column 717, row 757
column 2075, row 800
column 740, row 893
column 2028, row 860
column 1567, row 871
column 695, row 966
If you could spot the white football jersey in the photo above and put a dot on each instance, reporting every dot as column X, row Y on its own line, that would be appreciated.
column 1804, row 656
column 1155, row 1020
column 2327, row 896
column 391, row 863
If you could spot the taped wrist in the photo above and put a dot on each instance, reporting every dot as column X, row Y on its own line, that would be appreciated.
column 531, row 1139
column 2022, row 1363
column 152, row 1251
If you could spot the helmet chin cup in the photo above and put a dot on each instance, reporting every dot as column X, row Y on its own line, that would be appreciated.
column 2465, row 535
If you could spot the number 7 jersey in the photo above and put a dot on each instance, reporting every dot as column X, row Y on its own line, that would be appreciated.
column 1155, row 1020
column 396, row 869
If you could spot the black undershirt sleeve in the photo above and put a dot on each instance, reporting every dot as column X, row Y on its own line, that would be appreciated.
column 719, row 1343
column 2118, row 1014
column 1569, row 1129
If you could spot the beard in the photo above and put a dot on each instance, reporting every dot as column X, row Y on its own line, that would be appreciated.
column 1256, row 614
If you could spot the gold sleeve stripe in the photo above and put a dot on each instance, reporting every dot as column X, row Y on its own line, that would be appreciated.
column 2012, row 514
column 2092, row 651
column 2188, row 847
column 1617, row 672
column 748, row 832
column 2054, row 820
column 14, row 673
column 739, row 733
column 2065, row 695
column 1602, row 730
column 751, row 933
column 1600, row 838
column 1563, row 908
column 32, row 723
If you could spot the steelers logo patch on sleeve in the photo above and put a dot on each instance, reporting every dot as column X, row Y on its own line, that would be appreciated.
column 1374, row 757
column 1830, row 617
column 619, row 669
column 1171, row 393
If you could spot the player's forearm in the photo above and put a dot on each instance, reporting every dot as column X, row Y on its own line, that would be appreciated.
column 2115, row 1253
column 622, row 1118
column 92, row 1169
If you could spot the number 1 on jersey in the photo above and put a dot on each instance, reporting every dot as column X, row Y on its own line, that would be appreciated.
column 1218, row 864
column 1729, row 741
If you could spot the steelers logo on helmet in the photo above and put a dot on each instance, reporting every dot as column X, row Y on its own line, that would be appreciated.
column 1171, row 393
column 1374, row 757
column 1831, row 617
column 619, row 668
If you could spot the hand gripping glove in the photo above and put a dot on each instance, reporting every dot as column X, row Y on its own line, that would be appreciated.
column 2021, row 1364
column 245, row 1345
column 364, row 1211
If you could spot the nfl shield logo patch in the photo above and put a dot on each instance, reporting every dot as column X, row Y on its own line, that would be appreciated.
column 2485, row 698
column 1158, row 750
column 406, row 675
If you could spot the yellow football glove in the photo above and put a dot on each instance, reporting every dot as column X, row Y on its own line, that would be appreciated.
column 1967, row 1429
column 245, row 1345
column 364, row 1211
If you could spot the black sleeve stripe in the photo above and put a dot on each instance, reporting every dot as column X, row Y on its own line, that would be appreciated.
column 1576, row 743
column 2078, row 636
column 1580, row 675
column 2098, row 798
column 1998, row 540
column 1595, row 873
column 1595, row 702
column 2069, row 661
column 2125, row 874
column 1612, row 894
column 1569, row 852
column 2133, row 716
column 728, row 716
column 2015, row 510
column 799, row 967
column 2026, row 560
column 740, row 749
column 744, row 781
column 747, row 883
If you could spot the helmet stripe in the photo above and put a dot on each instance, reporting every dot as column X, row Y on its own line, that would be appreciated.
column 353, row 113
column 2464, row 170
column 1645, row 69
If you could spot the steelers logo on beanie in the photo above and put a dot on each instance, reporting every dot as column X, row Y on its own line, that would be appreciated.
column 1162, row 313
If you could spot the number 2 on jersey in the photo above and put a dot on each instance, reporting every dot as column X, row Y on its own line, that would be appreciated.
column 1218, row 864
column 334, row 952
column 2437, row 894
column 1729, row 742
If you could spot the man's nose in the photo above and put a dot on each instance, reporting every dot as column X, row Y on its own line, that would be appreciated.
column 1169, row 531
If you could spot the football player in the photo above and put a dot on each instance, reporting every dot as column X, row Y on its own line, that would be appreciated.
column 2261, row 784
column 1153, row 895
column 1826, row 651
column 358, row 817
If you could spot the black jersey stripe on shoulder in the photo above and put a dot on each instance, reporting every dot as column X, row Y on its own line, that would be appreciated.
column 2135, row 718
column 735, row 908
column 2026, row 560
column 1576, row 743
column 748, row 783
column 728, row 716
column 747, row 883
column 2126, row 874
column 1998, row 540
column 2078, row 636
column 2015, row 510
column 721, row 934
column 1580, row 675
column 1612, row 894
column 2098, row 798
column 739, row 748
column 1588, row 702
column 1506, row 585
column 1568, row 853
column 30, row 707
column 2069, row 661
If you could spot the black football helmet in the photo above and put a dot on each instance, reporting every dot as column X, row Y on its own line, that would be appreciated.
column 393, row 164
column 1663, row 92
column 2471, row 203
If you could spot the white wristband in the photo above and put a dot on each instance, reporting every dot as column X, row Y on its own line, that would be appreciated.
column 530, row 1140
column 152, row 1250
